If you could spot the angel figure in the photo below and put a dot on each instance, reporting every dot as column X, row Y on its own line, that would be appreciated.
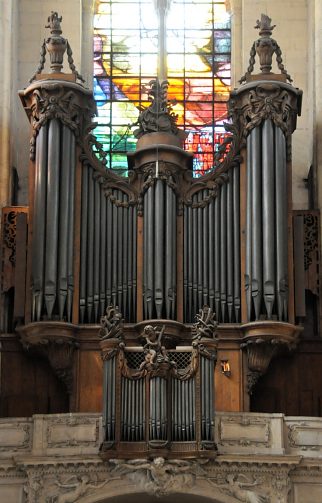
column 80, row 487
column 240, row 490
column 157, row 476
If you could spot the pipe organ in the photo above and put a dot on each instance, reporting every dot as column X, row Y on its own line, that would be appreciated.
column 158, row 269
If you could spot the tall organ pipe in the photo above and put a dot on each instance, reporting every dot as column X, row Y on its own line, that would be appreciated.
column 83, row 264
column 64, row 216
column 71, row 216
column 248, row 265
column 90, row 249
column 96, row 252
column 158, row 247
column 52, row 215
column 38, row 248
column 256, row 242
column 281, row 224
column 236, row 182
column 268, row 216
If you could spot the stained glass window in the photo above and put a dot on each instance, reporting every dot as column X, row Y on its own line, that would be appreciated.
column 198, row 72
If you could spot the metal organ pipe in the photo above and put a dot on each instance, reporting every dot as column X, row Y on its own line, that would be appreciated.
column 281, row 224
column 108, row 251
column 268, row 216
column 266, row 234
column 38, row 250
column 212, row 252
column 52, row 214
column 256, row 242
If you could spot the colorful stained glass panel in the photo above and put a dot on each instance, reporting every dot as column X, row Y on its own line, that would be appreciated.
column 198, row 68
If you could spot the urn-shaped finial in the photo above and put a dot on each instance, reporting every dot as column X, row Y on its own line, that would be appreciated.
column 55, row 44
column 265, row 46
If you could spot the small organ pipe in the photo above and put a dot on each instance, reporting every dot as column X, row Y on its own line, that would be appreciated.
column 268, row 215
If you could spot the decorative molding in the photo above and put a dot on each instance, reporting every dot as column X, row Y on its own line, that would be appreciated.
column 305, row 436
column 245, row 431
column 15, row 437
column 72, row 432
column 311, row 235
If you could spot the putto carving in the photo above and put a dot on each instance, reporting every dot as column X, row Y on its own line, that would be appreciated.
column 239, row 486
column 56, row 46
column 265, row 47
column 159, row 116
column 206, row 325
column 111, row 324
column 76, row 487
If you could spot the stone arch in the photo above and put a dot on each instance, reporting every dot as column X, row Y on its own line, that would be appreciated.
column 123, row 492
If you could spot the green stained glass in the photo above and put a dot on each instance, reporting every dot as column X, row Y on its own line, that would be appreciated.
column 198, row 68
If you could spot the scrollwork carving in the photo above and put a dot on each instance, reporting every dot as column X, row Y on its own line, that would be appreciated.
column 9, row 233
column 206, row 325
column 111, row 324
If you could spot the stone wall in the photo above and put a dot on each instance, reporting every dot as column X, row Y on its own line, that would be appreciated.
column 261, row 458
